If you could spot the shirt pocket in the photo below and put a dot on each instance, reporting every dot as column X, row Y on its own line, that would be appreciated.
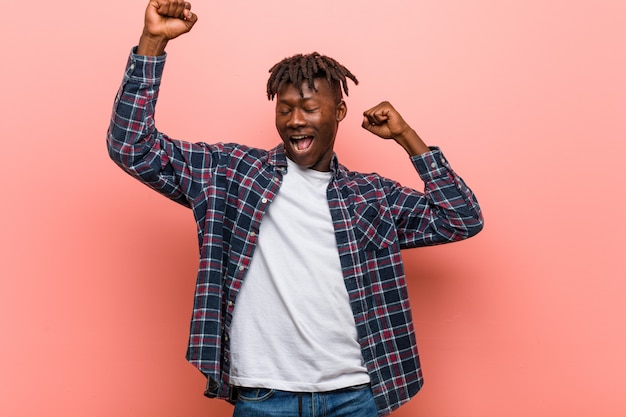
column 374, row 226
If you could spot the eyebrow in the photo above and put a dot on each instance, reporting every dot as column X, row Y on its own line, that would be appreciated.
column 300, row 99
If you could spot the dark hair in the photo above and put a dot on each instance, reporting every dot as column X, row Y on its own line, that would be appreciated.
column 300, row 68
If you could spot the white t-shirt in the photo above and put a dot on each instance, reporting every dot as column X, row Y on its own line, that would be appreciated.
column 293, row 328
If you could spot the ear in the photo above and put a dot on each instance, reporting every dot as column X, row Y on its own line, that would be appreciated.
column 341, row 111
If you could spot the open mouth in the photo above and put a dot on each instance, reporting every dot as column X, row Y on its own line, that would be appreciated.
column 301, row 142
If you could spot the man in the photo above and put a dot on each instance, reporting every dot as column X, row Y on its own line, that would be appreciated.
column 301, row 306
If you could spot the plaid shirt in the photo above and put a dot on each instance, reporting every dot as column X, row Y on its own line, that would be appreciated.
column 229, row 188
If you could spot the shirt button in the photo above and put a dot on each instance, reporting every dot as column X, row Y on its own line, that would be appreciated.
column 132, row 66
column 276, row 179
column 230, row 303
column 264, row 200
column 252, row 234
column 433, row 165
column 241, row 267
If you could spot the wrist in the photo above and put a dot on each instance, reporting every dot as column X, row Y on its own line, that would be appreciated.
column 411, row 142
column 150, row 45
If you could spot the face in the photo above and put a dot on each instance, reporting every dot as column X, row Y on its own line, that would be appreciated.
column 308, row 123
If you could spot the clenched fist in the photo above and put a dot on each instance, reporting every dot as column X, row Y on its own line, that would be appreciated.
column 164, row 20
column 384, row 121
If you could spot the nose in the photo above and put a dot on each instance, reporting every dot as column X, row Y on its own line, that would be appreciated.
column 296, row 119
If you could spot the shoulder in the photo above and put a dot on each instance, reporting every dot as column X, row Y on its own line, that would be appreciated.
column 367, row 179
column 364, row 186
column 235, row 151
column 247, row 160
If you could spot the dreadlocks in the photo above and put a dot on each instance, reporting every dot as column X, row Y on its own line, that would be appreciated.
column 300, row 68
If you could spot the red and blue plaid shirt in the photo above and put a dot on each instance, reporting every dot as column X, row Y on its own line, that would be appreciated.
column 229, row 188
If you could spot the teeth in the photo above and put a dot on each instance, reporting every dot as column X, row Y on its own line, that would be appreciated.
column 298, row 137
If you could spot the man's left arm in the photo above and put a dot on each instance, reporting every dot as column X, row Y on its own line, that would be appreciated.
column 447, row 210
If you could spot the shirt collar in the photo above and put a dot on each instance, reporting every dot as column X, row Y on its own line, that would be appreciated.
column 277, row 157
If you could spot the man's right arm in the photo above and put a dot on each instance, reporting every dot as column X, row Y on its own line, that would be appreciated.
column 133, row 141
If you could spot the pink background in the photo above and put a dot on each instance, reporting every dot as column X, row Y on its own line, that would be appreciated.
column 527, row 99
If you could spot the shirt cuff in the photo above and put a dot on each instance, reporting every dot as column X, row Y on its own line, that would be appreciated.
column 145, row 69
column 431, row 164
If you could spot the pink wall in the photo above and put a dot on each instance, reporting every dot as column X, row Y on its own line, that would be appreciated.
column 528, row 100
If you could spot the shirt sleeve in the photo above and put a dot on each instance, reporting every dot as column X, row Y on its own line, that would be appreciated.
column 176, row 169
column 447, row 210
